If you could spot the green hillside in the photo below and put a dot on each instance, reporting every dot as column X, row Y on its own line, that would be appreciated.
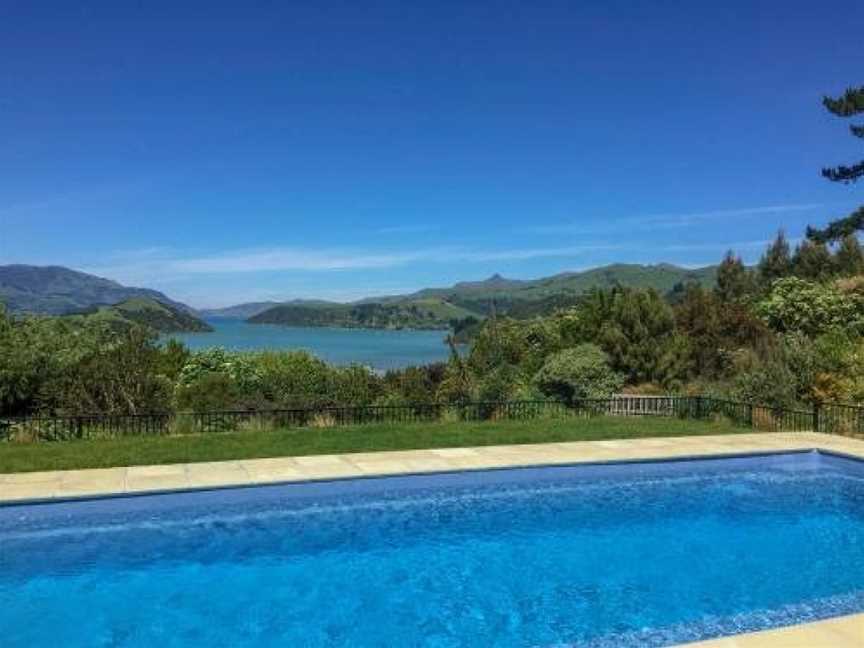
column 425, row 313
column 662, row 278
column 437, row 308
column 146, row 312
column 55, row 290
column 251, row 309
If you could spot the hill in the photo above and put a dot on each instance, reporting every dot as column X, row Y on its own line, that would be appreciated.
column 55, row 290
column 437, row 307
column 247, row 310
column 662, row 278
column 146, row 312
column 424, row 313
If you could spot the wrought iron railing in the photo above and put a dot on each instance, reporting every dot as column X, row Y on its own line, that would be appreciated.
column 829, row 418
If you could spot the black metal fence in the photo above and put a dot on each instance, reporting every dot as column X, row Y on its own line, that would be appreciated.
column 833, row 418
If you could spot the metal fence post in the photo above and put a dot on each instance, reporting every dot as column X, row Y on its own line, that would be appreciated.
column 816, row 408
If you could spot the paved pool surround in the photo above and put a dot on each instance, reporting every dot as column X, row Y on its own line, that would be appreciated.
column 841, row 632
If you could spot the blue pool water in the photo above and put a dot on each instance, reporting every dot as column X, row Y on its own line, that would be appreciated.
column 607, row 555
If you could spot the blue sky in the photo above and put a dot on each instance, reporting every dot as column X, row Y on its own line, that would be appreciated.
column 227, row 152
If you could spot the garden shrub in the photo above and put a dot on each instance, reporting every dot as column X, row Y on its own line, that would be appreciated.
column 355, row 385
column 120, row 376
column 581, row 372
column 768, row 382
column 210, row 391
column 291, row 379
column 811, row 308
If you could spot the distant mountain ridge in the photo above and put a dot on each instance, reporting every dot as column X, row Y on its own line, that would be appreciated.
column 430, row 313
column 55, row 290
column 661, row 277
column 436, row 308
column 251, row 309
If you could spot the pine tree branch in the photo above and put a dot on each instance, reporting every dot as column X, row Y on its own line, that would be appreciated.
column 851, row 103
column 844, row 173
column 837, row 229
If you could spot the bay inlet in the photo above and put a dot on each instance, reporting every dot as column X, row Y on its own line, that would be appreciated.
column 379, row 349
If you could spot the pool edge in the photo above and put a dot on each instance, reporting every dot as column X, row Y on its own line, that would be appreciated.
column 106, row 495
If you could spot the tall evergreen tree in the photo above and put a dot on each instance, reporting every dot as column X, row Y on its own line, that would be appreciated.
column 849, row 258
column 851, row 103
column 776, row 263
column 734, row 279
column 812, row 261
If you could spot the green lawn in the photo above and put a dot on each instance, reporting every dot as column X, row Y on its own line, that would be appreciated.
column 131, row 451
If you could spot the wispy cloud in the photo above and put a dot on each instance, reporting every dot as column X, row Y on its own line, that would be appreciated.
column 233, row 276
column 144, row 264
column 409, row 229
column 653, row 221
column 169, row 266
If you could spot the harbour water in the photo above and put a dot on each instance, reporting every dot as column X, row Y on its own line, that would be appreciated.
column 380, row 349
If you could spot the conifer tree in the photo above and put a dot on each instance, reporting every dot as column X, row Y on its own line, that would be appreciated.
column 776, row 263
column 848, row 105
column 849, row 258
column 734, row 280
column 812, row 261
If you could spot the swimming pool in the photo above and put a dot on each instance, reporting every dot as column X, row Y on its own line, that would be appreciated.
column 642, row 554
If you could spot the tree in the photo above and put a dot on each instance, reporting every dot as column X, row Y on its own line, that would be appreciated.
column 414, row 384
column 239, row 386
column 293, row 378
column 699, row 317
column 851, row 103
column 812, row 260
column 798, row 305
column 849, row 258
column 118, row 377
column 581, row 372
column 776, row 263
column 457, row 384
column 734, row 280
column 355, row 385
column 500, row 341
column 635, row 327
column 37, row 354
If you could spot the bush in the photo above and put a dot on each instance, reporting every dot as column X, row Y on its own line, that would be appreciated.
column 415, row 384
column 216, row 379
column 355, row 385
column 291, row 379
column 121, row 376
column 769, row 382
column 35, row 356
column 237, row 366
column 581, row 372
column 210, row 391
column 499, row 384
column 457, row 384
column 799, row 306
